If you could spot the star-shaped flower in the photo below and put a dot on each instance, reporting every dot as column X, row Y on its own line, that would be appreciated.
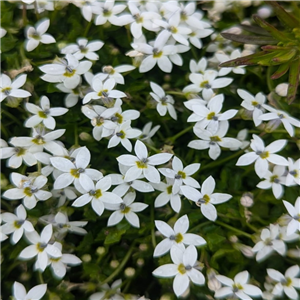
column 36, row 35
column 142, row 164
column 36, row 293
column 177, row 237
column 206, row 198
column 183, row 268
column 294, row 212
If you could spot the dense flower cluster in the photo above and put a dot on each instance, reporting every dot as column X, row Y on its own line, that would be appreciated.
column 138, row 177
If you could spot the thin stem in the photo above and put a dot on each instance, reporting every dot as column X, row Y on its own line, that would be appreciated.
column 221, row 162
column 76, row 135
column 179, row 134
column 234, row 229
column 152, row 229
column 41, row 280
column 12, row 117
column 152, row 148
column 199, row 226
column 121, row 265
column 176, row 93
column 87, row 28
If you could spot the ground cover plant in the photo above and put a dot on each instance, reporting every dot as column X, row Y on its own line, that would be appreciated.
column 149, row 150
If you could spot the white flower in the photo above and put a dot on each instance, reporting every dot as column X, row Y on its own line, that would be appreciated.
column 100, row 119
column 158, row 53
column 2, row 32
column 183, row 268
column 253, row 104
column 16, row 224
column 11, row 89
column 180, row 174
column 17, row 155
column 167, row 195
column 294, row 212
column 177, row 237
column 107, row 12
column 73, row 94
column 39, row 140
column 276, row 117
column 210, row 117
column 148, row 133
column 97, row 195
column 66, row 70
column 206, row 82
column 122, row 134
column 213, row 141
column 36, row 35
column 43, row 114
column 123, row 186
column 126, row 209
column 274, row 180
column 59, row 264
column 102, row 89
column 64, row 194
column 237, row 287
column 164, row 102
column 40, row 247
column 262, row 155
column 242, row 136
column 28, row 189
column 84, row 48
column 198, row 67
column 142, row 164
column 206, row 198
column 62, row 223
column 293, row 175
column 286, row 283
column 115, row 72
column 268, row 243
column 36, row 293
column 197, row 34
column 77, row 171
column 112, row 292
column 173, row 28
column 223, row 57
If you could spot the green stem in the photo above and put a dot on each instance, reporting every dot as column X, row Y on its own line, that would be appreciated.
column 199, row 226
column 176, row 93
column 221, row 162
column 76, row 135
column 87, row 28
column 152, row 148
column 152, row 229
column 12, row 117
column 234, row 229
column 270, row 82
column 121, row 265
column 179, row 134
column 41, row 280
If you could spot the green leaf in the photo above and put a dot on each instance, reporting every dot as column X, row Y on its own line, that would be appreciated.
column 254, row 29
column 293, row 81
column 214, row 240
column 278, row 35
column 114, row 236
column 249, row 39
column 285, row 17
column 8, row 43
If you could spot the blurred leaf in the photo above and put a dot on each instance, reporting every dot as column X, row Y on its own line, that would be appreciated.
column 113, row 236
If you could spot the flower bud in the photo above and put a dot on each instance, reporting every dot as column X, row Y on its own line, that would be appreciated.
column 129, row 272
column 264, row 12
column 247, row 199
column 114, row 264
column 86, row 258
column 281, row 89
column 213, row 283
column 100, row 250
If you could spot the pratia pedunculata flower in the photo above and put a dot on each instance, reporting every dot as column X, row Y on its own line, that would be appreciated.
column 142, row 163
column 36, row 293
column 177, row 237
column 36, row 35
column 43, row 114
column 294, row 212
column 12, row 89
column 206, row 198
column 262, row 155
column 238, row 287
column 183, row 268
column 127, row 209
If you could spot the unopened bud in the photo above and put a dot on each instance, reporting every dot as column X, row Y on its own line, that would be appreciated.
column 233, row 239
column 86, row 258
column 140, row 262
column 247, row 199
column 114, row 264
column 100, row 250
column 294, row 253
column 129, row 272
column 165, row 297
column 246, row 250
column 281, row 89
column 84, row 136
column 213, row 283
column 143, row 247
column 272, row 125
column 264, row 12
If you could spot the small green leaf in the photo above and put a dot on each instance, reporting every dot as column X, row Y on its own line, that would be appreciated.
column 254, row 29
column 249, row 39
column 293, row 81
column 114, row 236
